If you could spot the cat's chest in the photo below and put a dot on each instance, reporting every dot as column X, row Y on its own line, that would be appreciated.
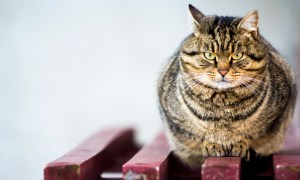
column 220, row 132
column 223, row 99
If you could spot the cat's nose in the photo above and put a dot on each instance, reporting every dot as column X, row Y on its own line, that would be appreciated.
column 223, row 73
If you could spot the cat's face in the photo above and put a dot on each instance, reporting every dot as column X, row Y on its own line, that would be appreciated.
column 223, row 52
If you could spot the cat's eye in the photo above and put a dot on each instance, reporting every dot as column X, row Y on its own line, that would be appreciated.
column 237, row 56
column 209, row 56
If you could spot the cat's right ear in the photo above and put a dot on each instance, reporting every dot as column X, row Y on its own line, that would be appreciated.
column 197, row 16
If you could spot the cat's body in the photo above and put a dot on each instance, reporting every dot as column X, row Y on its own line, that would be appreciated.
column 225, row 91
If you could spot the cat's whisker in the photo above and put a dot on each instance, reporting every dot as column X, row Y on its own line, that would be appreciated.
column 189, row 81
column 249, row 86
column 265, row 85
column 261, row 82
column 192, row 84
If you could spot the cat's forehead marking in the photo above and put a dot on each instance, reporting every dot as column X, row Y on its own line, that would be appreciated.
column 220, row 29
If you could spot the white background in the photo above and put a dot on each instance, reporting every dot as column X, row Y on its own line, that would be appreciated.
column 69, row 68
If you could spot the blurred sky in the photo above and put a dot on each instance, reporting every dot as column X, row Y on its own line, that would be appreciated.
column 69, row 68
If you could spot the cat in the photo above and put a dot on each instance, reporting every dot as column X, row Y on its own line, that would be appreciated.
column 226, row 91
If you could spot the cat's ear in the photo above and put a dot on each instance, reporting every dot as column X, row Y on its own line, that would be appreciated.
column 196, row 14
column 249, row 23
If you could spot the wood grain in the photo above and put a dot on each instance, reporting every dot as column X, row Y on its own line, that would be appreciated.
column 221, row 168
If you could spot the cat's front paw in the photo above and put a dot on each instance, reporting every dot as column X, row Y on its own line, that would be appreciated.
column 240, row 149
column 213, row 149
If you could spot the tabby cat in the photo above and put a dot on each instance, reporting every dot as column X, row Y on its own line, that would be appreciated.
column 225, row 91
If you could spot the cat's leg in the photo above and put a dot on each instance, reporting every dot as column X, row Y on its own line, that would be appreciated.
column 213, row 149
column 240, row 149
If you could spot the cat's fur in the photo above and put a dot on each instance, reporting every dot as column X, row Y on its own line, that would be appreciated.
column 225, row 107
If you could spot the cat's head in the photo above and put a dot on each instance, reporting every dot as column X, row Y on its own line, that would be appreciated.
column 223, row 52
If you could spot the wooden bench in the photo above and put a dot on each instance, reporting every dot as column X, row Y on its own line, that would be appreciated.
column 113, row 154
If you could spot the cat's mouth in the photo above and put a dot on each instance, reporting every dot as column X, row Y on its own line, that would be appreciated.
column 223, row 84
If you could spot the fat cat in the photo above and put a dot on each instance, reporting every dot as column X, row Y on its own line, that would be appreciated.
column 225, row 91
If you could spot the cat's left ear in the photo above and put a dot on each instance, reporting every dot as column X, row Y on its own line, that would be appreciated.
column 249, row 23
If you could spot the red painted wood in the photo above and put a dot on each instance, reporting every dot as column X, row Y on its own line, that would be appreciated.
column 91, row 157
column 286, row 167
column 151, row 162
column 221, row 168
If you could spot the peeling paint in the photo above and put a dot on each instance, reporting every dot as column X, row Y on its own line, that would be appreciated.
column 294, row 168
column 134, row 176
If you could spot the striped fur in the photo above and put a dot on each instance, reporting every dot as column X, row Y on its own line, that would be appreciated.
column 206, row 114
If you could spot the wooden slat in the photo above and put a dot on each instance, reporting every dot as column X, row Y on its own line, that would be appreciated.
column 90, row 158
column 221, row 168
column 151, row 162
column 286, row 167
